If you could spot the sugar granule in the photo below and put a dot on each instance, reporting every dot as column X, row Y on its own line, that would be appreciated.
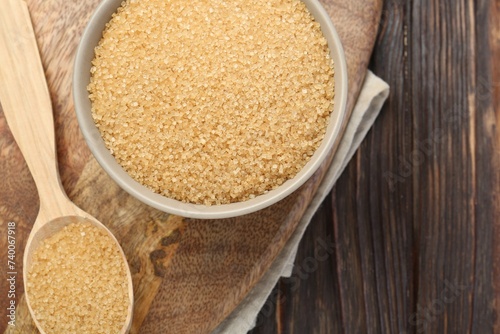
column 78, row 282
column 212, row 102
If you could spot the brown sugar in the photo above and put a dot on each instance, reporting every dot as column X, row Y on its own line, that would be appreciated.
column 212, row 102
column 78, row 282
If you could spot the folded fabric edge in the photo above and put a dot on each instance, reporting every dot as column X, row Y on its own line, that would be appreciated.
column 372, row 97
column 370, row 101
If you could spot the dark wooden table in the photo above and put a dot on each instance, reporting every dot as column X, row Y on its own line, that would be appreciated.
column 414, row 221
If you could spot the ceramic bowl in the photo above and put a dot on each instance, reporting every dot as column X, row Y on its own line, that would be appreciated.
column 81, row 79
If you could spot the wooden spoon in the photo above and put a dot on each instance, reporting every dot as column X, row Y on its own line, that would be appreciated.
column 26, row 104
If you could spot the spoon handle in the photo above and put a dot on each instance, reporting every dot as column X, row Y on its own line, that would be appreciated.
column 25, row 98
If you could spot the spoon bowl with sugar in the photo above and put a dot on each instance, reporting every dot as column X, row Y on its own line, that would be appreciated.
column 26, row 105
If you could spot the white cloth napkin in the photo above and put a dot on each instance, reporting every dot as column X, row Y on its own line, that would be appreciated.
column 372, row 96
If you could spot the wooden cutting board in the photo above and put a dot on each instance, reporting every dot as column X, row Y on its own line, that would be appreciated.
column 188, row 274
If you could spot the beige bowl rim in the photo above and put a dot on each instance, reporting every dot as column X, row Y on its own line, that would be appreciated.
column 81, row 77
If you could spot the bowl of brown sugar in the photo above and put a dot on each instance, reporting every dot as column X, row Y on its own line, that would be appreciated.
column 210, row 109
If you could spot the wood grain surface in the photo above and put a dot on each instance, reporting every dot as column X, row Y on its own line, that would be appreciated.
column 415, row 219
column 188, row 274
